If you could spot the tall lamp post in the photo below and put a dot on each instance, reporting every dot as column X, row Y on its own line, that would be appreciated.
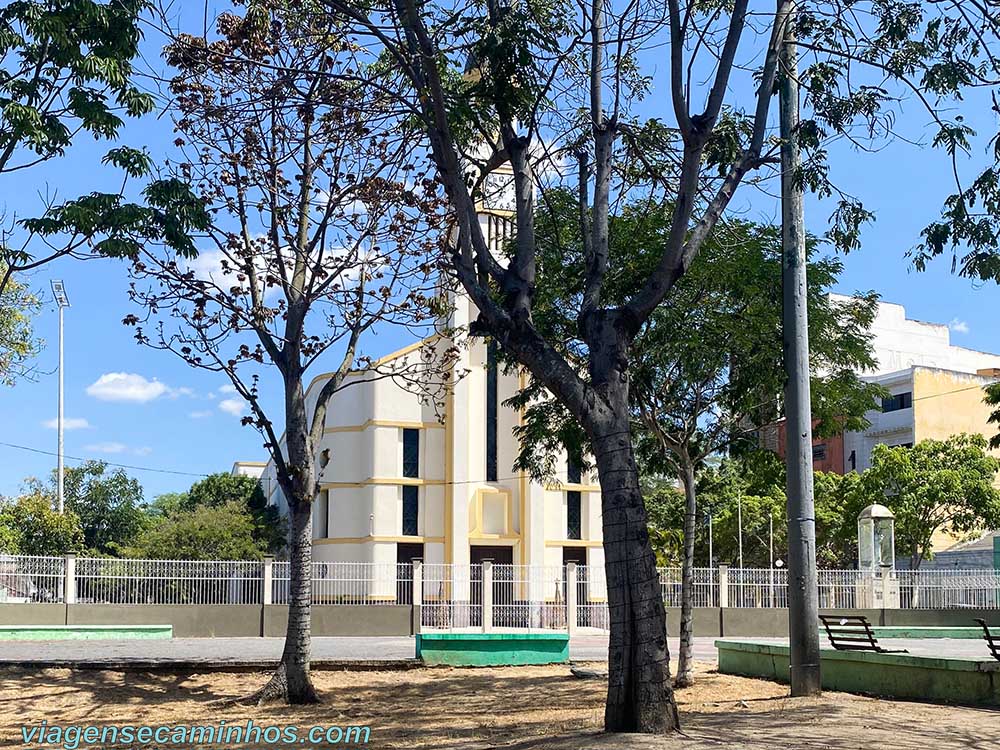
column 59, row 293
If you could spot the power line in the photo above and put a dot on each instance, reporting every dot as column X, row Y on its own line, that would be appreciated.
column 109, row 463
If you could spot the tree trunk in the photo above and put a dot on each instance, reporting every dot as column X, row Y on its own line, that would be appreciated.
column 685, row 674
column 291, row 682
column 640, row 698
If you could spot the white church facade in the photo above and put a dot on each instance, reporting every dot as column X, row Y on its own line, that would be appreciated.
column 406, row 479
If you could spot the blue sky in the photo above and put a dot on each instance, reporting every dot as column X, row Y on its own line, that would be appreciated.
column 133, row 405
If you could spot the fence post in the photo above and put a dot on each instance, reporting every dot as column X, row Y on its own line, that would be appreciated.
column 418, row 594
column 723, row 585
column 69, row 579
column 487, row 596
column 267, row 577
column 571, row 603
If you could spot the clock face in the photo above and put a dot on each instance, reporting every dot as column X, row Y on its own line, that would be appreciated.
column 498, row 192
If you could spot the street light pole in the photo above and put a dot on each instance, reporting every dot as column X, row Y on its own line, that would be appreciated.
column 59, row 293
column 803, row 611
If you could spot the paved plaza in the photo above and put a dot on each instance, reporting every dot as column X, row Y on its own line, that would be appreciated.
column 257, row 651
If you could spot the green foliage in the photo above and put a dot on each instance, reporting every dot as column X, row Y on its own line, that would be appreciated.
column 224, row 531
column 702, row 393
column 992, row 398
column 67, row 66
column 665, row 509
column 751, row 486
column 937, row 485
column 263, row 526
column 30, row 526
column 108, row 504
column 18, row 345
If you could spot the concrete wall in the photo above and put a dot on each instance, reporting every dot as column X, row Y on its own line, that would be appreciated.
column 188, row 621
column 32, row 614
column 369, row 620
column 223, row 620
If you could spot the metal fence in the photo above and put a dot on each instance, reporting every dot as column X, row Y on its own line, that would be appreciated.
column 453, row 596
column 949, row 589
column 118, row 581
column 349, row 583
column 31, row 579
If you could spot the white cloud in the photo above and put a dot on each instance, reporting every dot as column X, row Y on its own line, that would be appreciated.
column 112, row 446
column 228, row 388
column 200, row 414
column 958, row 326
column 106, row 447
column 69, row 423
column 234, row 406
column 129, row 386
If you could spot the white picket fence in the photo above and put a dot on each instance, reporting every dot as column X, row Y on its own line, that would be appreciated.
column 459, row 596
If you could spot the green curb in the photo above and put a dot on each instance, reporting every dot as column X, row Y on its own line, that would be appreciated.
column 492, row 649
column 84, row 632
column 949, row 680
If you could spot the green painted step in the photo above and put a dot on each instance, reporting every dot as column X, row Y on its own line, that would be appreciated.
column 83, row 632
column 949, row 680
column 492, row 649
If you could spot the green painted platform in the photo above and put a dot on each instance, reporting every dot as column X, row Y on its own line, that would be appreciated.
column 967, row 680
column 83, row 632
column 492, row 649
column 919, row 631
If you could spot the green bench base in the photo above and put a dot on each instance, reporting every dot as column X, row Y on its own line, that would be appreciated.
column 953, row 680
column 492, row 649
column 83, row 632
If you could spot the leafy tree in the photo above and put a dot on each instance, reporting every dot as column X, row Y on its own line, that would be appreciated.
column 708, row 366
column 937, row 485
column 66, row 69
column 30, row 526
column 108, row 503
column 326, row 228
column 18, row 345
column 222, row 488
column 839, row 498
column 749, row 486
column 665, row 506
column 223, row 531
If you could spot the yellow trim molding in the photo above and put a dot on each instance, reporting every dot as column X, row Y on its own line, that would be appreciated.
column 563, row 487
column 384, row 423
column 364, row 539
column 383, row 481
column 573, row 543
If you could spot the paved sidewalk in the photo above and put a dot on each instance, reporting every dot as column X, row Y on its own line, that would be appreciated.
column 252, row 653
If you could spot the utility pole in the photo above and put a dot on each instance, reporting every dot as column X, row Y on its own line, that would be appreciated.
column 803, row 610
column 59, row 293
column 739, row 525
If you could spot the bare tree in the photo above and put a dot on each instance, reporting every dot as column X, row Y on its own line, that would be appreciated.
column 324, row 231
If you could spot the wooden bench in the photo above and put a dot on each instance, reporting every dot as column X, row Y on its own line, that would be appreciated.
column 993, row 641
column 853, row 633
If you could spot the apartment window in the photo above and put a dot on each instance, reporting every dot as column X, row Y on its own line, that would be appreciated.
column 572, row 472
column 492, row 408
column 897, row 402
column 411, row 453
column 819, row 452
column 573, row 503
column 411, row 509
column 321, row 515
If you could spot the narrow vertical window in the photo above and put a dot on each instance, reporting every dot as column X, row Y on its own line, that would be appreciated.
column 321, row 515
column 572, row 472
column 411, row 453
column 492, row 407
column 573, row 503
column 411, row 510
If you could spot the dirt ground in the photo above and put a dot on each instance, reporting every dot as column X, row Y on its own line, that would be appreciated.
column 512, row 708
